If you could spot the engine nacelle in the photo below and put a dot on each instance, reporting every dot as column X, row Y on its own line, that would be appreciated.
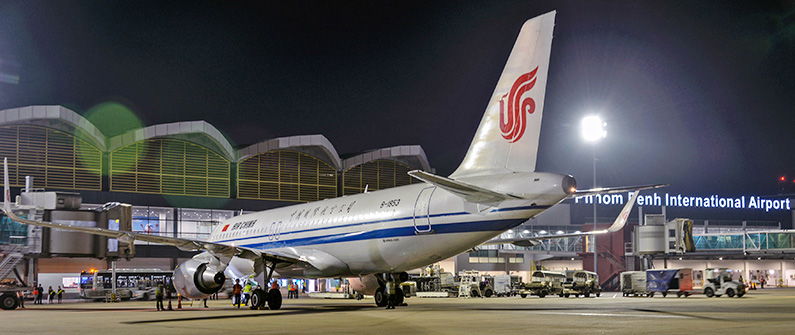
column 365, row 284
column 196, row 279
column 368, row 284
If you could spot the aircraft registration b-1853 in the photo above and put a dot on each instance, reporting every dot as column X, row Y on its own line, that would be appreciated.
column 367, row 237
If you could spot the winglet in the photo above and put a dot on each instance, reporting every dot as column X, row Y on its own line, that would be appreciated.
column 6, row 187
column 622, row 217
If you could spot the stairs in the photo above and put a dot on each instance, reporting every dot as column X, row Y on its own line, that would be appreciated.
column 12, row 255
column 612, row 282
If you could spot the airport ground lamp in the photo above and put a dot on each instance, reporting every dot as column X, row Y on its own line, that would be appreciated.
column 592, row 128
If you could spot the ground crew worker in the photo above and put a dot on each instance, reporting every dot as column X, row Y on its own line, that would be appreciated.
column 40, row 294
column 390, row 293
column 159, row 296
column 21, row 297
column 246, row 293
column 292, row 291
column 295, row 290
column 236, row 290
column 60, row 294
column 50, row 295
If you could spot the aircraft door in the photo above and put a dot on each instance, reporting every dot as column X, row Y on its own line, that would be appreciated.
column 422, row 220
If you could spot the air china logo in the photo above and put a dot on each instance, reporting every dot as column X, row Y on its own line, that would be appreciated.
column 513, row 119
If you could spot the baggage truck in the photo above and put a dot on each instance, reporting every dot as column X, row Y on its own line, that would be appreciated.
column 543, row 283
column 581, row 282
column 669, row 280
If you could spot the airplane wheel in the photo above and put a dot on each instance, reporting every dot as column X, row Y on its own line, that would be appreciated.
column 665, row 294
column 380, row 297
column 399, row 298
column 257, row 298
column 598, row 294
column 274, row 299
column 8, row 301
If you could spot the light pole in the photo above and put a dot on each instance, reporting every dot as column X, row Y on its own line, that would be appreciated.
column 593, row 130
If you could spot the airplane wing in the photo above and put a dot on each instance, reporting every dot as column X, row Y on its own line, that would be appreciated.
column 128, row 237
column 619, row 223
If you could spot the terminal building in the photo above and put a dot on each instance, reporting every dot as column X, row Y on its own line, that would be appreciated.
column 183, row 178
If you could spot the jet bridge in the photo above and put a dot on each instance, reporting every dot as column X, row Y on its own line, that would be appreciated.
column 65, row 208
column 655, row 237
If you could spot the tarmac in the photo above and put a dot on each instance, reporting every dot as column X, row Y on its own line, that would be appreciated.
column 768, row 311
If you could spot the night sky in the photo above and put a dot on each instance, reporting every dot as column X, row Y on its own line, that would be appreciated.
column 698, row 94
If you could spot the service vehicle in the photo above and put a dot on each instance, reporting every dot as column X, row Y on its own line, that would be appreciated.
column 130, row 283
column 433, row 282
column 487, row 286
column 543, row 283
column 719, row 282
column 9, row 292
column 581, row 282
column 506, row 285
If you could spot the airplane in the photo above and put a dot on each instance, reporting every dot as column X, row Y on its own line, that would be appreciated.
column 370, row 236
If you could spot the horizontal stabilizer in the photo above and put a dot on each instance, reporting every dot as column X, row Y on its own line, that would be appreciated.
column 610, row 190
column 470, row 193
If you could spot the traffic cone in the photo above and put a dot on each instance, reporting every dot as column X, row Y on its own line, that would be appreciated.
column 179, row 301
column 169, row 305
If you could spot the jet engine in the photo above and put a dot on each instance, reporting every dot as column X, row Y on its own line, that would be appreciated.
column 365, row 284
column 196, row 279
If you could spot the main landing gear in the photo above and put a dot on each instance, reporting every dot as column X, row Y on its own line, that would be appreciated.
column 273, row 298
column 380, row 295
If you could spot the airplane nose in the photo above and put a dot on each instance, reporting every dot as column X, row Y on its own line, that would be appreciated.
column 569, row 184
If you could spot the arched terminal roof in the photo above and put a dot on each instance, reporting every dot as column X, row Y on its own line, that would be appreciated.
column 411, row 155
column 198, row 132
column 317, row 146
column 56, row 117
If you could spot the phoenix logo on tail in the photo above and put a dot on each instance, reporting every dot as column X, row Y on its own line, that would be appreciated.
column 514, row 119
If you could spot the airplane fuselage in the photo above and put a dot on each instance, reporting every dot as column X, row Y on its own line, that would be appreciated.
column 390, row 230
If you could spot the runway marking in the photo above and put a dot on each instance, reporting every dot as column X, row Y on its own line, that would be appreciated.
column 618, row 315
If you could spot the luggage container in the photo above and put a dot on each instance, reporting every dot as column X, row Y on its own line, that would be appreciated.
column 669, row 280
column 633, row 283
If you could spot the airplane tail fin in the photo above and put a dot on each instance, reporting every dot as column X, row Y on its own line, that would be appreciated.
column 507, row 138
column 6, row 187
